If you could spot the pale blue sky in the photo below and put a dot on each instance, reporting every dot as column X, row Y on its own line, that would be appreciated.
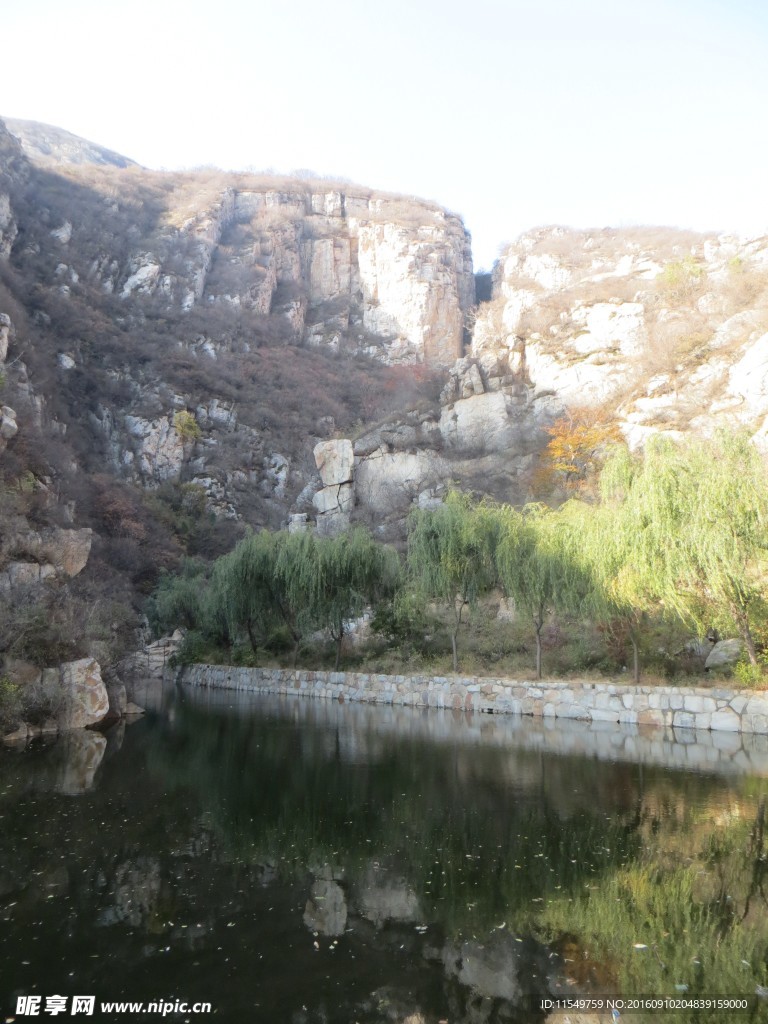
column 580, row 112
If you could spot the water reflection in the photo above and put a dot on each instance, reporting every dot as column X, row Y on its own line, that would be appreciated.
column 301, row 861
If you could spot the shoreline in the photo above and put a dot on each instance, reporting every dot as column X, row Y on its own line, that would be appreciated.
column 717, row 709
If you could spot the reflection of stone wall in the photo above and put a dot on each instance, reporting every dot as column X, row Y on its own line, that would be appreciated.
column 365, row 732
column 717, row 709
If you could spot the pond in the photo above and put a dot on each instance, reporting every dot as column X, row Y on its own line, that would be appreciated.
column 300, row 861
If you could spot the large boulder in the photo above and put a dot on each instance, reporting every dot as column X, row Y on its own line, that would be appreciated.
column 482, row 423
column 151, row 660
column 53, row 551
column 726, row 652
column 84, row 695
column 386, row 481
column 335, row 460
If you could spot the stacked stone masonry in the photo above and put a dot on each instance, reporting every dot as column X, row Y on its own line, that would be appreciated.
column 718, row 709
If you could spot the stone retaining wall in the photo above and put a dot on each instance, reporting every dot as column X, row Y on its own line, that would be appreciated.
column 717, row 708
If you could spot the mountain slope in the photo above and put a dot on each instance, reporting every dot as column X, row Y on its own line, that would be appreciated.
column 47, row 145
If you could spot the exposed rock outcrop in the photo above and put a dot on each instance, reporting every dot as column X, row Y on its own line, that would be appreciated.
column 32, row 556
column 14, row 172
column 151, row 661
column 662, row 329
column 336, row 499
column 9, row 428
column 725, row 652
column 382, row 274
column 84, row 695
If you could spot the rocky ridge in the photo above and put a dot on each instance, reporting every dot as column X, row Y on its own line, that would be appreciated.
column 46, row 144
column 664, row 330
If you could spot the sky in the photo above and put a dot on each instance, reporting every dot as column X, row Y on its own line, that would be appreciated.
column 587, row 113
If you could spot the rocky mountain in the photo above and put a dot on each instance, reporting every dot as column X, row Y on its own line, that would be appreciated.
column 185, row 355
column 46, row 144
column 660, row 330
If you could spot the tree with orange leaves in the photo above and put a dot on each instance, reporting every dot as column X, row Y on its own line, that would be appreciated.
column 578, row 445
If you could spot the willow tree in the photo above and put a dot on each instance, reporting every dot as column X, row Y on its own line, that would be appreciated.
column 267, row 582
column 178, row 599
column 602, row 545
column 294, row 582
column 724, row 563
column 534, row 565
column 347, row 574
column 242, row 581
column 694, row 519
column 450, row 556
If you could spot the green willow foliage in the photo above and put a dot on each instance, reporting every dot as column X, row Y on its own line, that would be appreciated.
column 450, row 556
column 680, row 531
column 693, row 526
column 271, row 581
column 535, row 565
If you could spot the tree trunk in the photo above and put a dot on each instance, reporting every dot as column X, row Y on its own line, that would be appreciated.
column 749, row 640
column 538, row 625
column 251, row 636
column 296, row 641
column 635, row 657
column 458, row 608
column 338, row 649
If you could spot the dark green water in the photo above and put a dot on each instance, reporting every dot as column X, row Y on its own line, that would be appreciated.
column 308, row 862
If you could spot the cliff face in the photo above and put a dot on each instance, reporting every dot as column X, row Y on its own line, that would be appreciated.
column 662, row 330
column 205, row 330
column 182, row 356
column 14, row 173
column 346, row 268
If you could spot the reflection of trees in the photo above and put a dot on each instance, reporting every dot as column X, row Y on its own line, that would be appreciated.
column 488, row 835
column 471, row 841
column 505, row 854
column 689, row 910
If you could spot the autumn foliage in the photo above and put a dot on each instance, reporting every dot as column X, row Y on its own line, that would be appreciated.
column 573, row 457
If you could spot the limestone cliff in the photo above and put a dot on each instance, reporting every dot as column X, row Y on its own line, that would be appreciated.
column 14, row 172
column 206, row 330
column 662, row 329
column 346, row 267
column 655, row 330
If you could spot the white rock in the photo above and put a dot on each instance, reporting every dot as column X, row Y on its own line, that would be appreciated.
column 335, row 461
column 482, row 423
column 726, row 652
column 8, row 425
column 386, row 481
column 85, row 698
column 63, row 234
column 5, row 334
